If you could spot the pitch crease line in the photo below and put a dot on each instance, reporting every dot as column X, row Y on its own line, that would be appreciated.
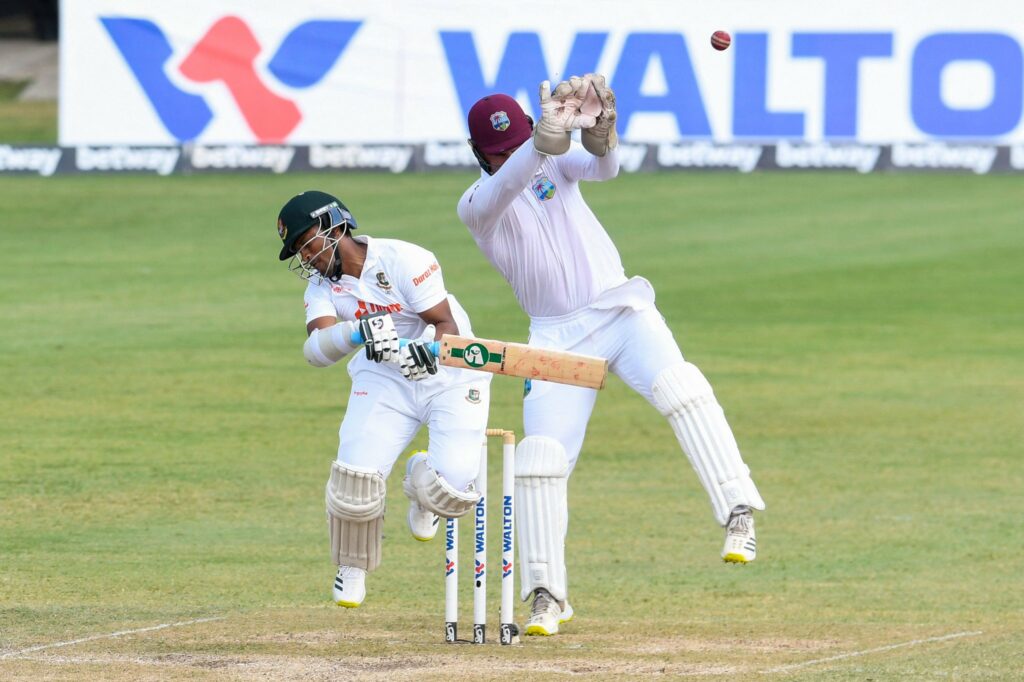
column 110, row 635
column 890, row 647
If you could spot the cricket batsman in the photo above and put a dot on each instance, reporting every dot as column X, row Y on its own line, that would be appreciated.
column 527, row 215
column 384, row 289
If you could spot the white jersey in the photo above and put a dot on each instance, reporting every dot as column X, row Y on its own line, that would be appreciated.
column 398, row 278
column 532, row 223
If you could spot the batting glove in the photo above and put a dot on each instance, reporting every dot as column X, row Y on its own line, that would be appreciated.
column 379, row 337
column 601, row 137
column 560, row 115
column 416, row 361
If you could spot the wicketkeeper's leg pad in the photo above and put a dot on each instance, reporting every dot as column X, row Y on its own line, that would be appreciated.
column 432, row 492
column 355, row 515
column 542, row 515
column 684, row 396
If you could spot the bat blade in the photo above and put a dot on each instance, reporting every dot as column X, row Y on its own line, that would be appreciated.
column 520, row 360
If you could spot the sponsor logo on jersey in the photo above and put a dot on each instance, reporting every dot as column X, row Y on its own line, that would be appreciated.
column 473, row 396
column 419, row 279
column 499, row 121
column 527, row 387
column 544, row 189
column 367, row 308
column 382, row 281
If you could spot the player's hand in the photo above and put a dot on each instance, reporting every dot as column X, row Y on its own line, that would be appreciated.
column 600, row 137
column 416, row 361
column 561, row 114
column 379, row 337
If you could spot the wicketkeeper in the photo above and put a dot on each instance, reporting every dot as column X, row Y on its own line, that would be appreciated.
column 384, row 289
column 528, row 217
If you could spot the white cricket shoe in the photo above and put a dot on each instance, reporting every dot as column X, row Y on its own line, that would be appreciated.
column 349, row 587
column 422, row 523
column 547, row 613
column 740, row 542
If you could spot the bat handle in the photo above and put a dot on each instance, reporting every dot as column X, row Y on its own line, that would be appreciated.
column 434, row 346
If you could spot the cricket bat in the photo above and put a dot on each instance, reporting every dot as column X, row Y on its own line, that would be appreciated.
column 520, row 360
column 516, row 360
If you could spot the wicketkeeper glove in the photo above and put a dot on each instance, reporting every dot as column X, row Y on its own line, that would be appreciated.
column 560, row 114
column 379, row 337
column 416, row 361
column 601, row 137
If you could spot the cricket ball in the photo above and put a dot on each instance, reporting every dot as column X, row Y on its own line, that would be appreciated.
column 720, row 40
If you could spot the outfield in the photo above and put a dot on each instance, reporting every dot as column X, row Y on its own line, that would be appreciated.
column 164, row 446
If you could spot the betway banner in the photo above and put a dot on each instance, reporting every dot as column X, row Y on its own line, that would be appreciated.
column 304, row 72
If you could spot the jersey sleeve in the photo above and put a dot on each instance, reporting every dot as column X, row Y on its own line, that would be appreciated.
column 579, row 164
column 421, row 282
column 484, row 203
column 318, row 303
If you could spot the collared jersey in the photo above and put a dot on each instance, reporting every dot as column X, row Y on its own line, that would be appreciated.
column 398, row 277
column 532, row 224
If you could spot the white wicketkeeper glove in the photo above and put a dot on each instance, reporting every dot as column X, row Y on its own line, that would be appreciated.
column 601, row 137
column 379, row 337
column 560, row 114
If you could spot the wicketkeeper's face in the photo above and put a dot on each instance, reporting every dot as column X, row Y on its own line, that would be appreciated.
column 498, row 159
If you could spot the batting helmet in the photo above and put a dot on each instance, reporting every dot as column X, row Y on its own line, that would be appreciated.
column 305, row 210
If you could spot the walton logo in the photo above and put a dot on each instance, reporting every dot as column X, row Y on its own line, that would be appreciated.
column 227, row 53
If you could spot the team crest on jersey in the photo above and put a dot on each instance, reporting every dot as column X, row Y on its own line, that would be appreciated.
column 382, row 281
column 499, row 121
column 473, row 396
column 544, row 189
column 282, row 230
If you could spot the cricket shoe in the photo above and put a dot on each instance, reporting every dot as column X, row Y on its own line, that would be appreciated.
column 349, row 587
column 547, row 613
column 422, row 523
column 740, row 542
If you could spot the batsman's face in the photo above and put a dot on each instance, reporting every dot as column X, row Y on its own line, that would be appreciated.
column 317, row 254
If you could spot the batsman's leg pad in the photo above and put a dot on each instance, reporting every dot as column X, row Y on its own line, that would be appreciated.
column 542, row 515
column 684, row 396
column 355, row 515
column 432, row 492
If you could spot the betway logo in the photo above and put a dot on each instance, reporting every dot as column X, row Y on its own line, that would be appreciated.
column 227, row 54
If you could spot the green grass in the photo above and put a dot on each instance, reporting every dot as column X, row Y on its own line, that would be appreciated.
column 163, row 445
column 31, row 122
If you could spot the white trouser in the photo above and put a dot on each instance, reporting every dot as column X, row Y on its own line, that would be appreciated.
column 640, row 349
column 638, row 345
column 384, row 413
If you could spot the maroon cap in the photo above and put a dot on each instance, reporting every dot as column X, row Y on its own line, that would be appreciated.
column 498, row 123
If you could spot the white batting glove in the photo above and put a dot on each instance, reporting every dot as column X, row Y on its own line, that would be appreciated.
column 560, row 115
column 601, row 137
column 379, row 337
column 416, row 361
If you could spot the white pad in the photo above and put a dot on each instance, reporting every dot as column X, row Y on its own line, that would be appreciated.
column 326, row 346
column 355, row 516
column 542, row 515
column 428, row 488
column 685, row 397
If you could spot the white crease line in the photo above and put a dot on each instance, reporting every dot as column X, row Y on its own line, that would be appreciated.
column 794, row 666
column 14, row 654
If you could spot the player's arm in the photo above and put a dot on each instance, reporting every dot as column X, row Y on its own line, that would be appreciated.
column 580, row 164
column 441, row 317
column 485, row 202
column 328, row 340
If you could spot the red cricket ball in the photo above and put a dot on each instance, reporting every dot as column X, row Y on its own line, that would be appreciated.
column 720, row 40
